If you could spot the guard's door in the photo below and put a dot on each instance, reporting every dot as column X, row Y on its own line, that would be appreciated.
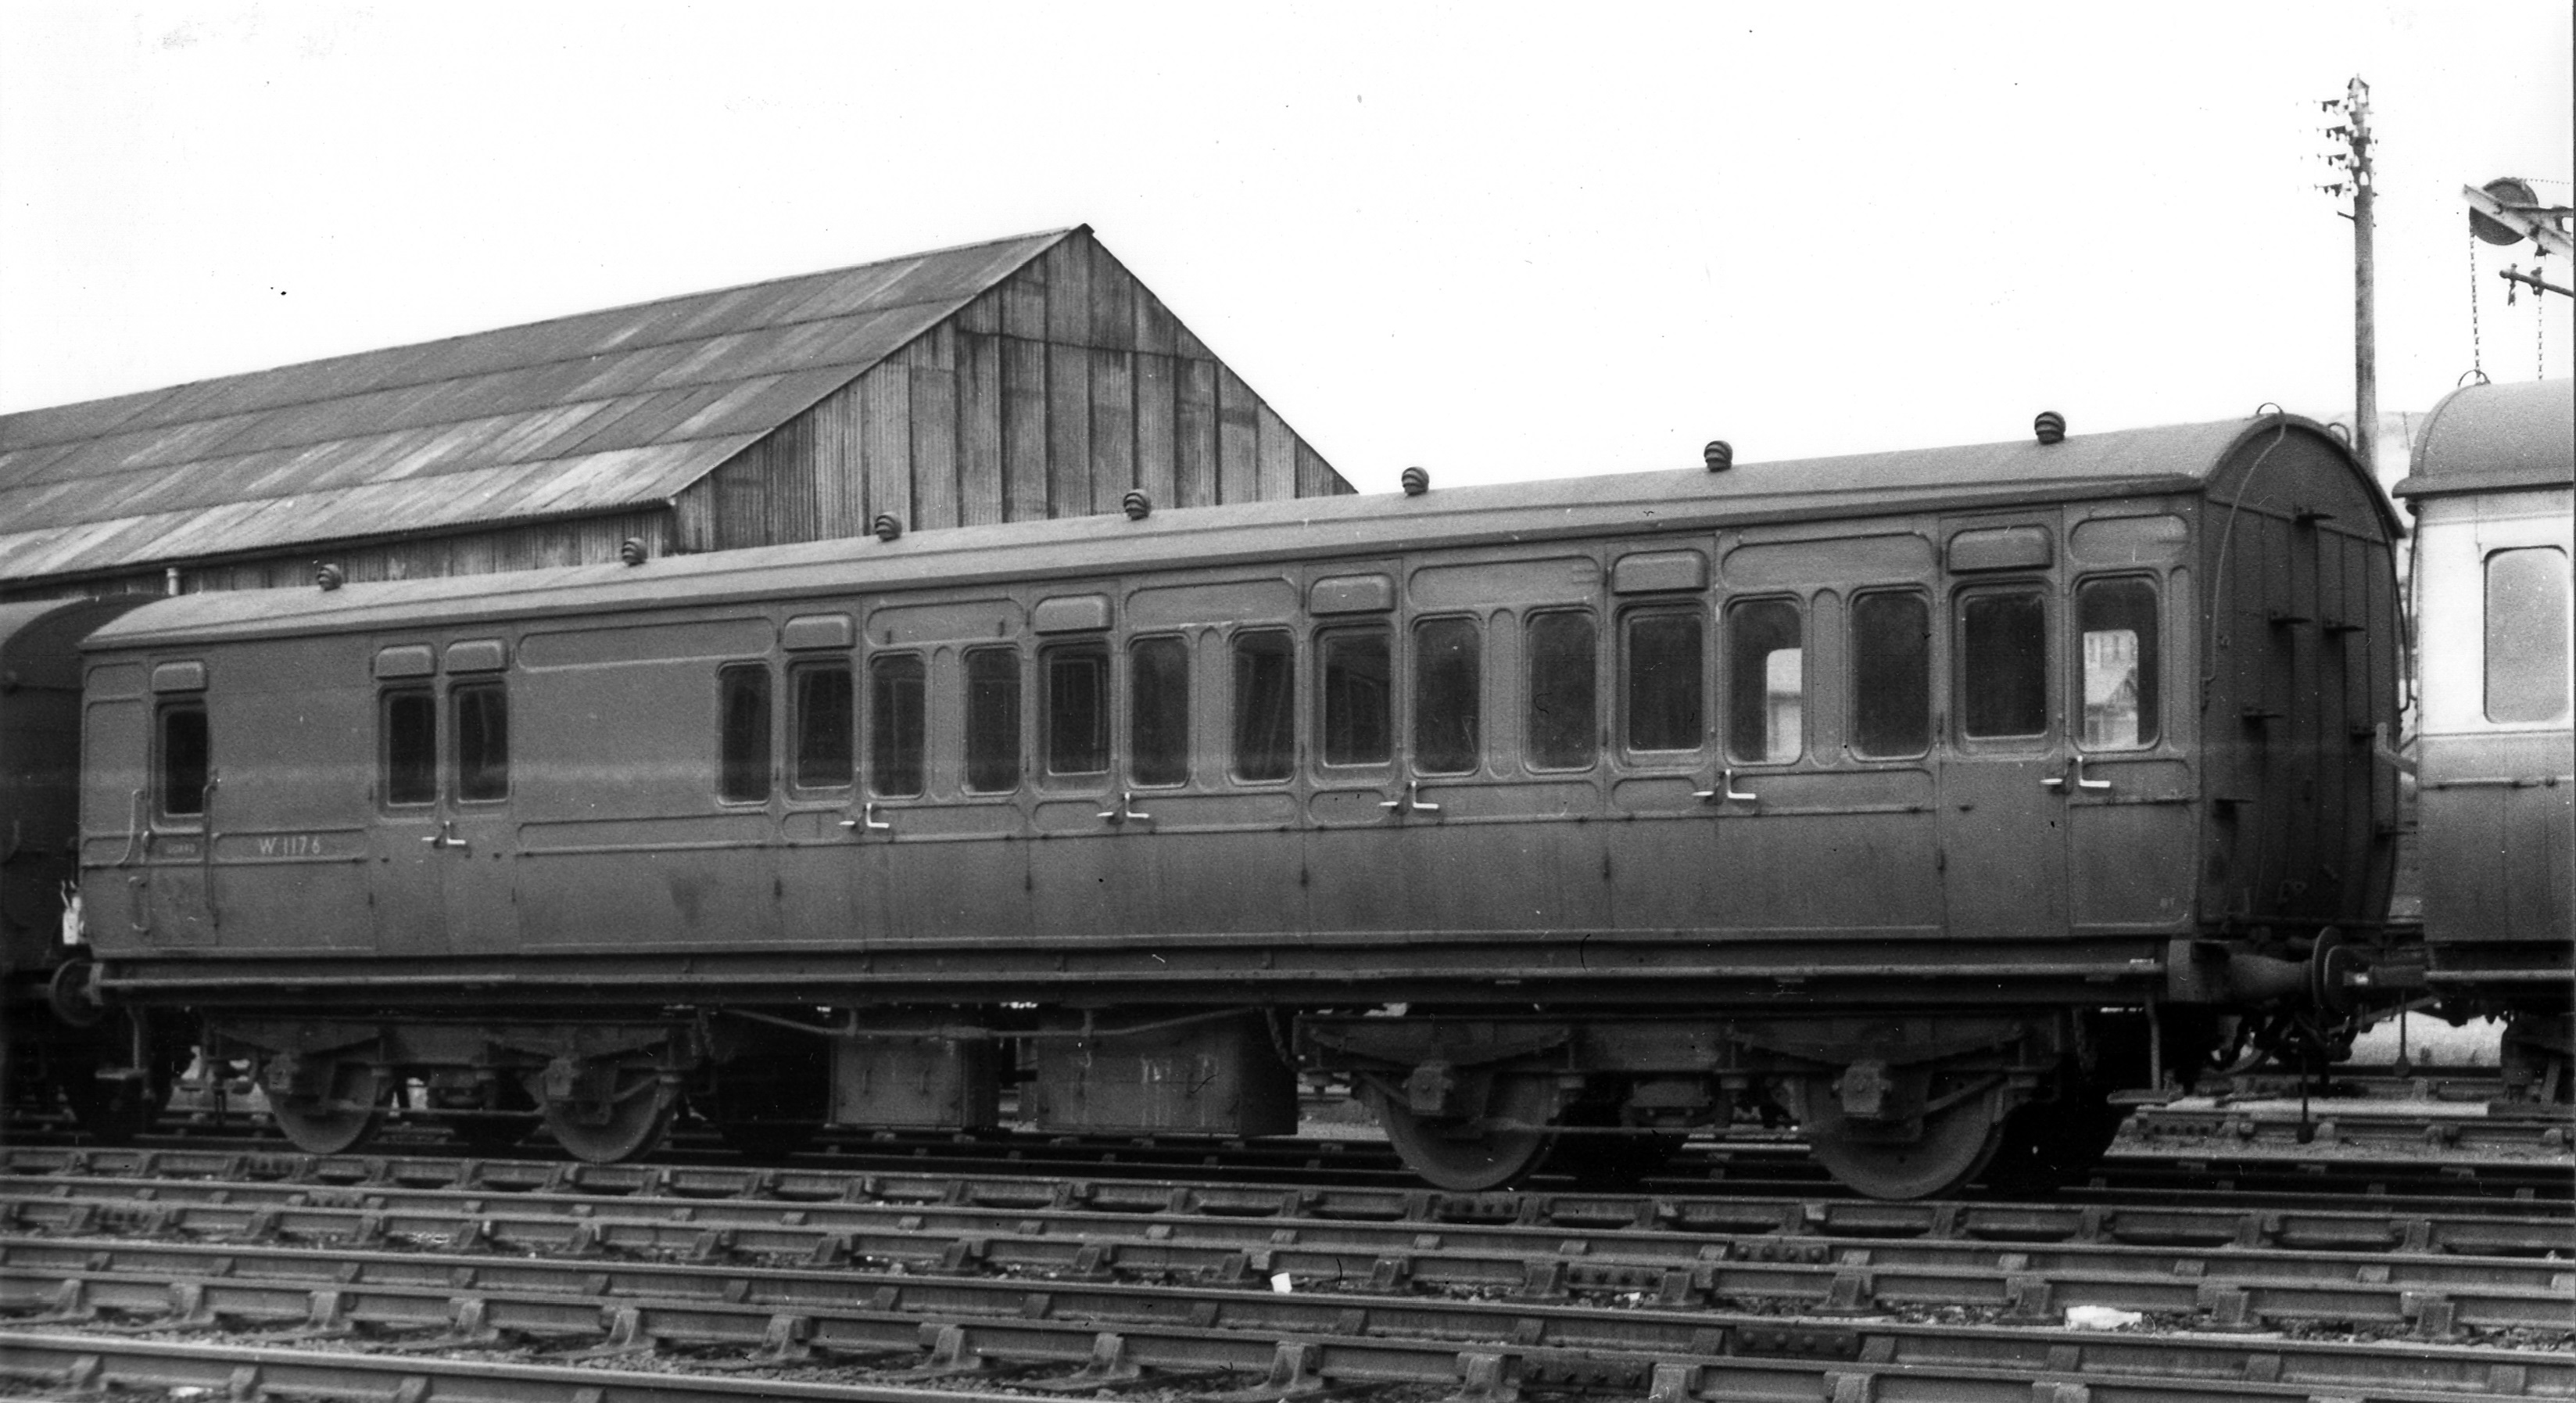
column 479, row 839
column 2004, row 778
column 410, row 878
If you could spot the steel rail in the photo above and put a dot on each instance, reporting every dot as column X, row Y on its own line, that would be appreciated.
column 930, row 1327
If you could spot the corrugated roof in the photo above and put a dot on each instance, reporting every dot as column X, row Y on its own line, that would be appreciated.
column 585, row 413
column 2123, row 463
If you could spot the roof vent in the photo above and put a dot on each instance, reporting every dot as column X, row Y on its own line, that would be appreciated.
column 1137, row 505
column 1719, row 455
column 631, row 550
column 327, row 575
column 2050, row 426
column 1416, row 481
column 887, row 526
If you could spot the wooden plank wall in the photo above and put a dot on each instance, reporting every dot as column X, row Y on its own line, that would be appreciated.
column 1055, row 392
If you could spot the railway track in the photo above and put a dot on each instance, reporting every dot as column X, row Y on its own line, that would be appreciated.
column 387, row 1277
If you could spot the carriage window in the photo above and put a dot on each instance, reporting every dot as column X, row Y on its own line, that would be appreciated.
column 184, row 758
column 2118, row 621
column 743, row 693
column 482, row 712
column 896, row 684
column 1265, row 704
column 1891, row 675
column 1448, row 737
column 2527, row 628
column 993, row 720
column 1766, row 706
column 2003, row 665
column 822, row 716
column 1665, row 703
column 1563, row 731
column 1077, row 701
column 1158, row 711
column 1357, row 729
column 410, row 722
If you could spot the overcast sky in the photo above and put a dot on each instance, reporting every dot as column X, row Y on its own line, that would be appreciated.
column 1502, row 242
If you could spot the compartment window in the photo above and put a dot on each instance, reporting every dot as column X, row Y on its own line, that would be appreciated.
column 1891, row 675
column 1666, row 705
column 1358, row 727
column 742, row 723
column 185, row 755
column 992, row 720
column 1158, row 711
column 1448, row 676
column 410, row 721
column 1077, row 701
column 1564, row 729
column 482, row 711
column 2527, row 635
column 896, row 702
column 1766, row 700
column 822, row 715
column 2003, row 665
column 2118, row 621
column 1265, row 704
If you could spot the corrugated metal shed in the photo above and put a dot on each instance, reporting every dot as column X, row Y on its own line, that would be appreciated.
column 585, row 417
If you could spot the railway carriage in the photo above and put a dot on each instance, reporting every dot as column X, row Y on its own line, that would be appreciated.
column 2491, row 489
column 1948, row 800
column 58, row 1041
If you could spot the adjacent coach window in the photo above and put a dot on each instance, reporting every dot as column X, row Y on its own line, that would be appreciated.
column 2118, row 621
column 2003, row 665
column 822, row 719
column 896, row 729
column 743, row 726
column 2527, row 635
column 992, row 720
column 411, row 746
column 181, row 774
column 1448, row 673
column 1563, row 726
column 1265, row 704
column 1766, row 681
column 1891, row 675
column 1357, row 719
column 1666, row 709
column 1077, row 709
column 482, row 712
column 1158, row 711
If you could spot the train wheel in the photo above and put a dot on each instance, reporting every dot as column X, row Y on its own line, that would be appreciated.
column 628, row 1119
column 1470, row 1156
column 344, row 1117
column 1952, row 1145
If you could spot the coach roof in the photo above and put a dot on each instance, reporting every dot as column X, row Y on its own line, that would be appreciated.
column 2133, row 462
column 2496, row 438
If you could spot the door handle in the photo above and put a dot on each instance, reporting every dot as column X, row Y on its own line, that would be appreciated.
column 1126, row 809
column 2082, row 783
column 446, row 837
column 1410, row 800
column 1723, row 789
column 867, row 819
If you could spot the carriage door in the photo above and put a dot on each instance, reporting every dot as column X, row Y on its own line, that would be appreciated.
column 409, row 884
column 480, row 838
column 2004, row 777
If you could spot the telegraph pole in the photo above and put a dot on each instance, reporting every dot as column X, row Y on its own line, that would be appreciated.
column 2365, row 317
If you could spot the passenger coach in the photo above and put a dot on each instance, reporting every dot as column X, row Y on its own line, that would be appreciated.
column 1939, row 797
